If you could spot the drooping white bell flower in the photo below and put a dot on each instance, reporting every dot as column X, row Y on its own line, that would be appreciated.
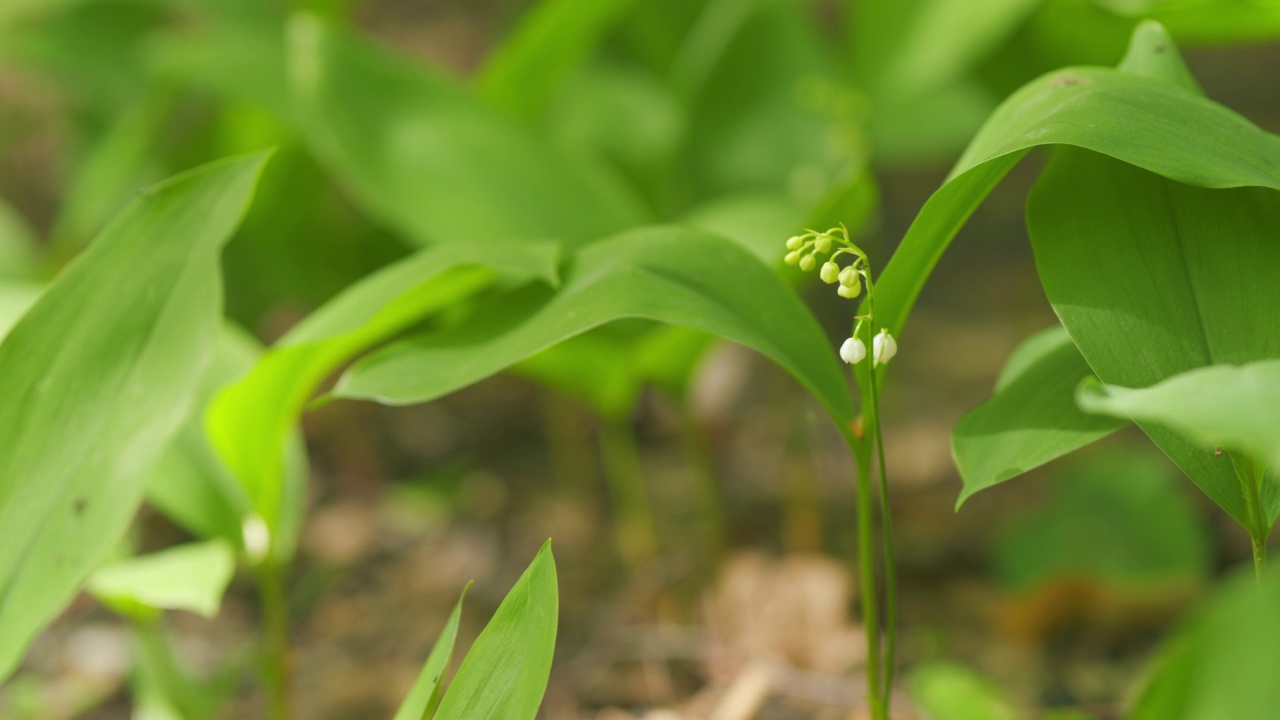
column 883, row 348
column 829, row 272
column 853, row 351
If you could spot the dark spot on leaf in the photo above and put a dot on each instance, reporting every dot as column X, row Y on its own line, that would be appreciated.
column 1159, row 47
column 1217, row 452
column 79, row 505
column 1066, row 80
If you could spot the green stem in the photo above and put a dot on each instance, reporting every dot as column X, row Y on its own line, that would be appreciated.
column 1251, row 476
column 890, row 571
column 637, row 538
column 275, row 612
column 867, row 570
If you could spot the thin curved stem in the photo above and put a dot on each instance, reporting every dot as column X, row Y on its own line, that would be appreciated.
column 276, row 618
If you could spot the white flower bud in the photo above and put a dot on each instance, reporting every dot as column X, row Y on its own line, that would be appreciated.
column 256, row 537
column 822, row 243
column 853, row 351
column 849, row 276
column 792, row 257
column 883, row 347
column 807, row 262
column 849, row 291
column 829, row 272
column 794, row 243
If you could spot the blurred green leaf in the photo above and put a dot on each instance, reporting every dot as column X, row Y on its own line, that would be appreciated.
column 1222, row 664
column 191, row 577
column 434, row 163
column 191, row 485
column 1030, row 419
column 249, row 420
column 1117, row 517
column 1153, row 122
column 424, row 698
column 1231, row 406
column 551, row 41
column 673, row 275
column 95, row 380
column 505, row 672
column 1153, row 278
column 15, row 299
column 943, row 691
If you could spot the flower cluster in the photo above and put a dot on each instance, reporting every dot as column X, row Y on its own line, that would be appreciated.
column 805, row 250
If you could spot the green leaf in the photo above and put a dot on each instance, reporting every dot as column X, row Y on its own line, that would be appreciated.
column 250, row 419
column 552, row 40
column 1236, row 407
column 1031, row 418
column 95, row 380
column 1221, row 666
column 193, row 487
column 190, row 577
column 673, row 275
column 1154, row 278
column 1152, row 121
column 424, row 698
column 15, row 300
column 943, row 691
column 424, row 157
column 505, row 672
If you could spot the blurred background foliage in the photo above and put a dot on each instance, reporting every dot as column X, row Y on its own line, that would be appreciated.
column 571, row 120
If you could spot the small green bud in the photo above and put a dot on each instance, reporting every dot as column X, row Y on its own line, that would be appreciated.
column 829, row 272
column 794, row 243
column 823, row 243
column 792, row 257
column 849, row 276
column 807, row 262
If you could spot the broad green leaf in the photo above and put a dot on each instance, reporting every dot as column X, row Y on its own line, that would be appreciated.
column 424, row 698
column 551, row 41
column 950, row 692
column 505, row 672
column 673, row 275
column 191, row 485
column 190, row 577
column 1118, row 518
column 421, row 155
column 249, row 420
column 1154, row 278
column 1030, row 419
column 1151, row 121
column 1236, row 407
column 17, row 246
column 1221, row 665
column 95, row 380
column 15, row 299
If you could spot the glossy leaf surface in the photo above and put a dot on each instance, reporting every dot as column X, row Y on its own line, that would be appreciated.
column 1031, row 418
column 1154, row 278
column 424, row 698
column 1236, row 407
column 249, row 420
column 95, row 380
column 673, row 275
column 1142, row 114
column 505, row 672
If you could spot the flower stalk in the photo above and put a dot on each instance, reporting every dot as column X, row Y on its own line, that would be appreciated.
column 866, row 443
